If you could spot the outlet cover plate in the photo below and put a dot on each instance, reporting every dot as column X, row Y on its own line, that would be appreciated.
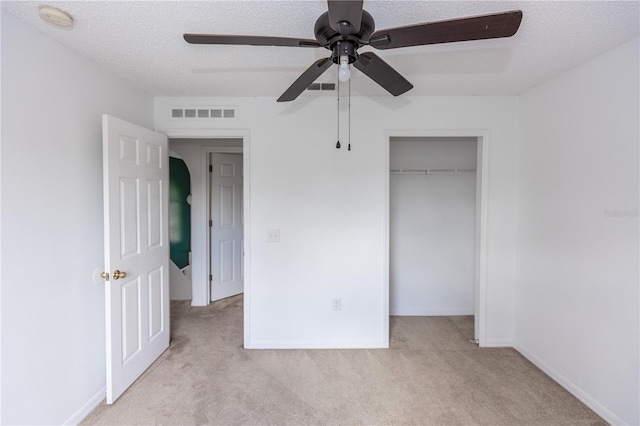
column 273, row 235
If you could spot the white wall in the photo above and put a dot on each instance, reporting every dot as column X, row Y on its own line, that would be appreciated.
column 179, row 283
column 577, row 301
column 432, row 231
column 53, row 330
column 330, row 206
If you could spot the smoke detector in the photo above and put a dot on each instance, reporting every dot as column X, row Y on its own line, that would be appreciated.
column 55, row 16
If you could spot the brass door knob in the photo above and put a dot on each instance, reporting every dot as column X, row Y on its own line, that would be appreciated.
column 118, row 274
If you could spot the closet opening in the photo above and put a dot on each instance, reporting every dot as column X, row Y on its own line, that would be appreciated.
column 436, row 258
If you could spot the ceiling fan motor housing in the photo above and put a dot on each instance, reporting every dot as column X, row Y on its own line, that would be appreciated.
column 344, row 48
column 343, row 44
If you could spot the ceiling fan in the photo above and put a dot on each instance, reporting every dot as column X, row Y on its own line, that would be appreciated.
column 347, row 26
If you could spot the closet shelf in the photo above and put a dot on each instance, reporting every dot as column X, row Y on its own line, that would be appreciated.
column 431, row 171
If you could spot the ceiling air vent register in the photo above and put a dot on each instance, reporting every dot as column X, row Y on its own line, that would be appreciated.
column 203, row 113
column 322, row 86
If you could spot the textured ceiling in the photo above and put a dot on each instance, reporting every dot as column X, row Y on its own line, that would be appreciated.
column 142, row 42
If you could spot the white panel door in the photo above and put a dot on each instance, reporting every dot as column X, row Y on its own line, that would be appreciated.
column 136, row 183
column 226, row 226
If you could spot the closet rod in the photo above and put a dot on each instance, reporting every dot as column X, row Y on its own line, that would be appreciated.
column 428, row 171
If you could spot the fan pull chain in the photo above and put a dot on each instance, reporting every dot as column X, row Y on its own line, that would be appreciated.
column 338, row 116
column 349, row 108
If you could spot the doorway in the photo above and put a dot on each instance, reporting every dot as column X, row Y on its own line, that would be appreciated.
column 196, row 151
column 436, row 238
column 432, row 230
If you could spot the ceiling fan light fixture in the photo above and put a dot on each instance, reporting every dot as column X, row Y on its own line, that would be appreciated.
column 344, row 73
column 55, row 16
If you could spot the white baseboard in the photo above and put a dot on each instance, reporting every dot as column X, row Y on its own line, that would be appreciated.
column 497, row 343
column 316, row 344
column 87, row 408
column 431, row 313
column 571, row 387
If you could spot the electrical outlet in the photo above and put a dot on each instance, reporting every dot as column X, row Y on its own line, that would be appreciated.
column 337, row 304
column 273, row 235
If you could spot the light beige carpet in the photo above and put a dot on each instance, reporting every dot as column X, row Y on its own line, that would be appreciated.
column 431, row 375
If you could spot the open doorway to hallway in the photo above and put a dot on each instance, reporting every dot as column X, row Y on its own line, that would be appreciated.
column 216, row 206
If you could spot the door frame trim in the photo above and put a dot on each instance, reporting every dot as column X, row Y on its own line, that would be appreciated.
column 482, row 167
column 201, row 295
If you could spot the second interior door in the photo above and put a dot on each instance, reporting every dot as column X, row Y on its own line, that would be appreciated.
column 226, row 227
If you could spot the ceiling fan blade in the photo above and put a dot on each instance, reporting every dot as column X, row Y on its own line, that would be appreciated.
column 345, row 11
column 305, row 80
column 474, row 28
column 382, row 73
column 249, row 40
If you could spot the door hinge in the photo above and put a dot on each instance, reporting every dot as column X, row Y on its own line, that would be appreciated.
column 210, row 223
column 210, row 277
column 210, row 168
